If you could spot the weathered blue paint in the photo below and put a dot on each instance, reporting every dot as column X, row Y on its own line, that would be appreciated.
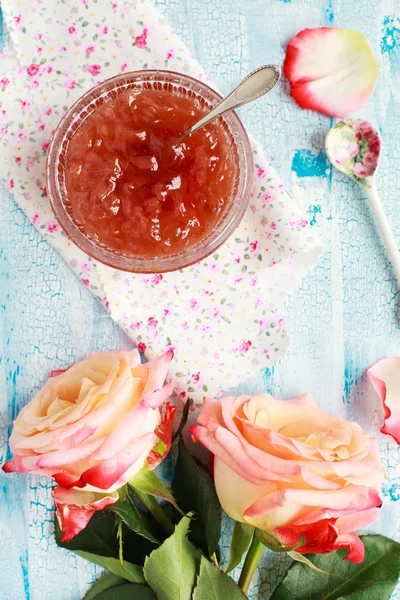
column 391, row 34
column 307, row 164
column 341, row 320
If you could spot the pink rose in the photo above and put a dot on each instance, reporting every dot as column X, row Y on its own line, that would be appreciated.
column 156, row 278
column 293, row 471
column 260, row 173
column 141, row 40
column 245, row 346
column 90, row 49
column 4, row 82
column 72, row 29
column 52, row 226
column 152, row 323
column 92, row 428
column 95, row 70
column 32, row 70
column 253, row 246
column 370, row 159
column 362, row 170
column 70, row 84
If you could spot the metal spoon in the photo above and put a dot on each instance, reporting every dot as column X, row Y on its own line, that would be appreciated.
column 353, row 146
column 255, row 85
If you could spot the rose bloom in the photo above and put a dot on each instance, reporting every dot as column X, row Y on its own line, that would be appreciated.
column 305, row 477
column 92, row 428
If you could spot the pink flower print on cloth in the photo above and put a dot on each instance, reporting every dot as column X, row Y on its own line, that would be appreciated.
column 209, row 314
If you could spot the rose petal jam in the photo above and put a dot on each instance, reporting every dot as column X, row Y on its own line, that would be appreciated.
column 134, row 187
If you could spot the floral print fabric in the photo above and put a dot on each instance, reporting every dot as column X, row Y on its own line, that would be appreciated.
column 220, row 315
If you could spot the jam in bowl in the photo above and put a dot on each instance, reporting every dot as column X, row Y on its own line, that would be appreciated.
column 129, row 191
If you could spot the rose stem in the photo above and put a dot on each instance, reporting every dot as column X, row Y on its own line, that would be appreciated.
column 250, row 563
column 156, row 510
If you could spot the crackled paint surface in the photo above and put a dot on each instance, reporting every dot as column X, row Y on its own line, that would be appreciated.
column 343, row 319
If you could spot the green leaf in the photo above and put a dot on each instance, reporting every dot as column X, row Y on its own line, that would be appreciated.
column 104, row 583
column 130, row 572
column 128, row 591
column 213, row 584
column 194, row 490
column 138, row 521
column 171, row 569
column 373, row 579
column 241, row 540
column 305, row 561
column 98, row 543
column 147, row 481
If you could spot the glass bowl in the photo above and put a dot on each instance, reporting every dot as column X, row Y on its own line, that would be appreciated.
column 61, row 203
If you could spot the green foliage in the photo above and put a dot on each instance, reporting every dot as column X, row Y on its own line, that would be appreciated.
column 194, row 491
column 373, row 579
column 171, row 569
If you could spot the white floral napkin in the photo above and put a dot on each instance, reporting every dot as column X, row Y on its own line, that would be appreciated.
column 220, row 315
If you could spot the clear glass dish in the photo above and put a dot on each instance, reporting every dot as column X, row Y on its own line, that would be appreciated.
column 61, row 203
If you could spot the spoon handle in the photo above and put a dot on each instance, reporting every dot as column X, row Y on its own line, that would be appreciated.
column 384, row 226
column 256, row 84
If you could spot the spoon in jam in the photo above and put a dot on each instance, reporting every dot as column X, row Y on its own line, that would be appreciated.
column 353, row 146
column 255, row 85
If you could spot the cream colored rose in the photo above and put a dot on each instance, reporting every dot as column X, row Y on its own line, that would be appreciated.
column 291, row 470
column 92, row 428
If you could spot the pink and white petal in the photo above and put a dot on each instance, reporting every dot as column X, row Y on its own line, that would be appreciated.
column 60, row 458
column 21, row 464
column 354, row 521
column 354, row 544
column 211, row 410
column 140, row 420
column 248, row 471
column 75, row 508
column 243, row 451
column 157, row 370
column 318, row 482
column 107, row 473
column 157, row 398
column 330, row 70
column 352, row 498
column 385, row 377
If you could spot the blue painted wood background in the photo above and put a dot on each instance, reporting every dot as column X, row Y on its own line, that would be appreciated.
column 344, row 317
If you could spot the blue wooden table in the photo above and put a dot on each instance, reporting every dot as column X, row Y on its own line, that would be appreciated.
column 344, row 317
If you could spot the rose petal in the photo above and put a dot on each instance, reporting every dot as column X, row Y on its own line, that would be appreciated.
column 164, row 435
column 157, row 370
column 385, row 377
column 246, row 469
column 108, row 472
column 75, row 509
column 355, row 498
column 59, row 458
column 330, row 70
column 354, row 544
